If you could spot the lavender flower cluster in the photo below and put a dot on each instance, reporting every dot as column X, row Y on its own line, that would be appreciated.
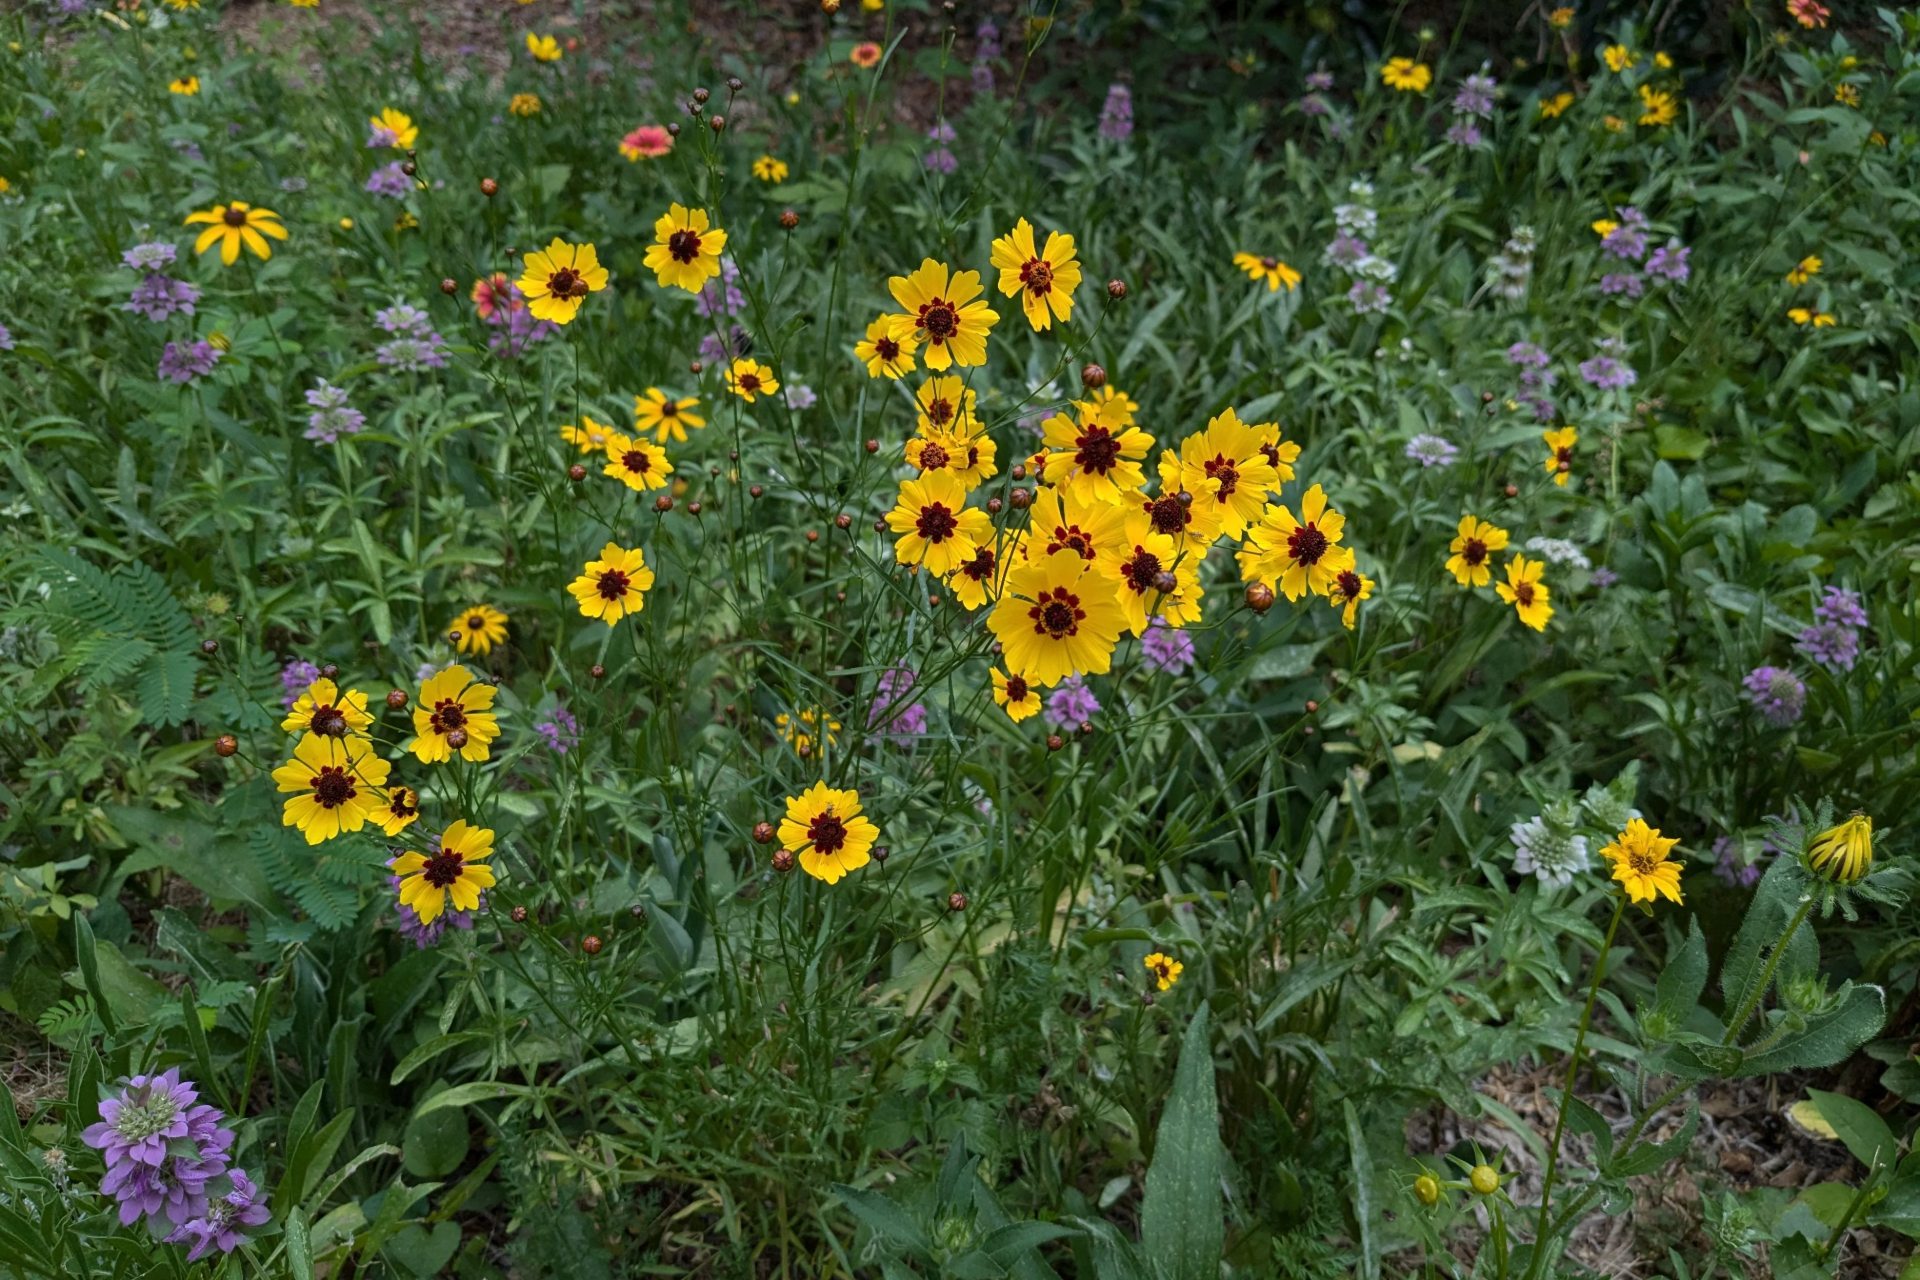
column 1071, row 704
column 515, row 329
column 184, row 362
column 1472, row 103
column 414, row 347
column 1349, row 251
column 1627, row 243
column 332, row 416
column 1833, row 640
column 1536, row 379
column 158, row 295
column 986, row 52
column 900, row 724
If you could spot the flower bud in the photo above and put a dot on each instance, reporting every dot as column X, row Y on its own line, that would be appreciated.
column 843, row 521
column 209, row 646
column 763, row 833
column 663, row 503
column 396, row 699
column 718, row 124
column 597, row 671
column 1093, row 377
column 576, row 473
column 591, row 944
column 518, row 915
column 1117, row 290
column 956, row 901
column 448, row 286
column 1259, row 597
column 783, row 860
column 456, row 738
column 789, row 219
column 1055, row 742
column 226, row 745
column 1484, row 1180
column 1020, row 499
column 1426, row 1189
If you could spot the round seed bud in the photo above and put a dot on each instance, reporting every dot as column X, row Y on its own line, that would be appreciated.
column 789, row 219
column 881, row 853
column 1513, row 491
column 1259, row 597
column 453, row 637
column 456, row 738
column 783, row 860
column 843, row 521
column 719, row 124
column 701, row 95
column 1426, row 1189
column 1486, row 397
column 209, row 647
column 696, row 366
column 518, row 915
column 597, row 671
column 734, row 83
column 1184, row 498
column 879, row 526
column 396, row 699
column 956, row 902
column 1117, row 290
column 1484, row 1180
column 694, row 108
column 1093, row 377
column 591, row 944
column 673, row 130
column 1312, row 706
column 329, row 670
column 754, row 491
column 663, row 503
column 873, row 446
column 1086, row 728
column 1165, row 583
column 409, row 168
column 1020, row 499
column 448, row 286
column 763, row 833
column 995, row 506
column 813, row 535
column 1055, row 742
column 693, row 508
column 225, row 745
column 733, row 455
column 1019, row 471
column 576, row 473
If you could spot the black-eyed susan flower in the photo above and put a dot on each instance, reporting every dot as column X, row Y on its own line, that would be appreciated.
column 885, row 355
column 543, row 48
column 1297, row 555
column 453, row 870
column 1473, row 545
column 323, row 709
column 1404, row 75
column 1013, row 694
column 1658, row 107
column 398, row 811
column 1061, row 519
column 807, row 730
column 749, row 379
column 1808, row 316
column 1153, row 581
column 185, row 86
column 825, row 829
column 1559, row 461
column 1225, row 469
column 770, row 169
column 1524, row 590
column 1805, row 269
column 667, row 417
column 943, row 313
column 334, row 785
column 477, row 628
column 936, row 527
column 639, row 464
column 234, row 224
column 977, row 580
column 589, row 436
column 1042, row 278
column 1350, row 587
column 1843, row 853
column 1639, row 858
column 686, row 249
column 558, row 279
column 1058, row 616
column 1091, row 454
column 392, row 128
column 614, row 585
column 1268, row 270
column 1847, row 95
column 453, row 702
column 1165, row 970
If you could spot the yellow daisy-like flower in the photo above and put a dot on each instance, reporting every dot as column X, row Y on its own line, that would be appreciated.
column 1618, row 58
column 1471, row 563
column 769, row 169
column 326, row 711
column 396, row 124
column 1043, row 279
column 942, row 312
column 613, row 586
column 1270, row 270
column 978, row 579
column 1297, row 555
column 1806, row 269
column 936, row 527
column 1094, row 457
column 824, row 827
column 1280, row 454
column 1225, row 467
column 1350, row 587
column 970, row 459
column 454, row 869
column 543, row 48
column 1013, row 695
column 669, row 419
column 1059, row 616
column 749, row 379
column 885, row 355
column 1190, row 524
column 1844, row 853
column 334, row 786
column 1165, row 970
column 1406, row 76
column 589, row 436
column 945, row 403
column 1847, row 95
column 641, row 465
column 453, row 702
column 235, row 224
column 1604, row 227
column 1560, row 19
column 524, row 104
column 558, row 279
column 1658, row 107
column 811, row 727
column 185, row 86
column 686, row 249
column 1639, row 858
column 1153, row 580
column 1559, row 461
column 1115, row 405
column 1556, row 106
column 477, row 628
column 1524, row 590
column 1806, row 315
column 1662, row 60
column 1060, row 519
column 400, row 811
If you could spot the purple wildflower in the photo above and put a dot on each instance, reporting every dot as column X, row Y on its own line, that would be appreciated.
column 1464, row 133
column 1166, row 648
column 1071, row 704
column 1116, row 116
column 940, row 160
column 151, row 256
column 159, row 296
column 183, row 362
column 943, row 131
column 1669, row 262
column 1777, row 694
column 1731, row 867
column 885, row 712
column 1319, row 81
column 799, row 396
column 1346, row 251
column 1432, row 451
column 1604, row 577
column 1606, row 370
column 1628, row 239
column 1841, row 607
column 404, row 317
column 986, row 50
column 190, row 149
column 390, row 180
column 1628, row 283
column 515, row 327
column 6, row 338
column 162, row 1145
column 412, row 355
column 560, row 729
column 295, row 677
column 1830, row 644
column 1366, row 297
column 1528, row 355
column 332, row 416
column 1313, row 104
column 720, row 296
column 226, row 1219
column 713, row 348
column 1475, row 96
column 379, row 138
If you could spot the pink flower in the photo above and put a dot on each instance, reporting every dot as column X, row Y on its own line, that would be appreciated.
column 649, row 141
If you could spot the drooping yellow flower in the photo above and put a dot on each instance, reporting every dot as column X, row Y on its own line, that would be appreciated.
column 1153, row 580
column 1843, row 853
column 1012, row 694
column 1524, row 590
column 749, row 379
column 669, row 419
column 942, row 311
column 1639, row 858
column 477, row 628
column 185, row 86
column 1471, row 563
column 686, row 249
column 1561, row 18
column 334, row 785
column 1556, row 106
column 524, row 104
column 809, row 728
column 1806, row 269
column 1618, row 58
column 770, row 169
column 1165, row 970
column 614, row 585
column 1350, row 587
column 1095, row 457
column 589, row 436
column 401, row 809
column 395, row 127
column 1300, row 554
column 1406, row 76
column 326, row 711
column 1059, row 616
column 825, row 829
column 453, row 702
column 543, row 48
column 936, row 527
column 1806, row 315
column 1559, row 461
column 1658, row 107
column 1225, row 469
column 234, row 224
column 885, row 355
column 640, row 465
column 453, row 869
column 558, row 279
column 1043, row 279
column 1270, row 270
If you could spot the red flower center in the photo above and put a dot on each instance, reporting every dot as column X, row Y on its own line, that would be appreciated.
column 613, row 585
column 1142, row 571
column 940, row 320
column 1347, row 583
column 1073, row 538
column 933, row 457
column 1306, row 545
column 748, row 382
column 1057, row 613
column 936, row 523
column 566, row 283
column 684, row 245
column 1221, row 469
column 443, row 868
column 1167, row 515
column 403, row 803
column 1475, row 552
column 448, row 715
column 980, row 568
column 636, row 460
column 827, row 832
column 940, row 412
column 886, row 348
column 328, row 722
column 1037, row 277
column 1098, row 450
column 1016, row 689
column 332, row 786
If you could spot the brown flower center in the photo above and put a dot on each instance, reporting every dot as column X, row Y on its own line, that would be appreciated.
column 448, row 715
column 234, row 217
column 1098, row 450
column 940, row 320
column 1016, row 689
column 936, row 523
column 1306, row 545
column 443, row 868
column 1270, row 263
column 933, row 457
column 1073, row 538
column 980, row 568
column 1167, row 515
column 1523, row 594
column 476, row 623
column 940, row 412
column 1222, row 470
column 404, row 803
column 332, row 786
column 669, row 409
column 748, row 382
column 886, row 348
column 1643, row 862
column 328, row 722
column 566, row 283
column 1142, row 571
column 1057, row 613
column 827, row 833
column 1347, row 583
column 684, row 245
column 1037, row 277
column 636, row 461
column 613, row 585
column 1475, row 552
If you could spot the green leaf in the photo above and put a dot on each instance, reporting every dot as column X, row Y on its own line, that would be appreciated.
column 462, row 1095
column 299, row 1246
column 885, row 1219
column 422, row 1054
column 1859, row 1126
column 1582, row 1118
column 1855, row 1017
column 1684, row 978
column 435, row 1143
column 1362, row 1158
column 1648, row 1156
column 423, row 1251
column 85, row 951
column 1182, row 1227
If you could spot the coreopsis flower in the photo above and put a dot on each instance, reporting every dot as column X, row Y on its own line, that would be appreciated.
column 866, row 55
column 1229, row 472
column 1524, row 590
column 477, row 628
column 1300, row 554
column 392, row 128
column 1618, row 58
column 589, row 436
column 1350, row 587
column 1805, row 269
column 558, row 279
column 825, row 829
column 1658, row 107
column 1174, row 512
column 1808, row 316
column 979, row 578
column 647, row 142
column 1060, row 519
column 1269, row 270
column 686, row 249
column 942, row 312
column 882, row 353
column 524, row 104
column 1095, row 457
column 945, row 404
column 398, row 811
column 614, row 585
column 1404, row 75
column 453, row 701
column 749, row 379
column 1014, row 695
column 669, row 419
column 936, row 527
column 234, row 224
column 1559, row 461
column 1058, row 616
column 321, row 708
column 641, row 465
column 543, row 48
column 1843, row 853
column 1280, row 454
column 1165, row 970
column 334, row 785
column 1154, row 581
column 807, row 729
column 185, row 86
column 453, row 870
column 1639, row 858
column 1471, row 563
column 1809, row 13
column 770, row 169
column 968, row 458
column 1552, row 108
column 1043, row 279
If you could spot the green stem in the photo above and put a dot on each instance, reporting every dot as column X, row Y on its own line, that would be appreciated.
column 1739, row 1021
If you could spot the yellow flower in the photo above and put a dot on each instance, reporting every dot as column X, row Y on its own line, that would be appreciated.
column 1661, row 108
column 1095, row 458
column 978, row 579
column 185, row 86
column 935, row 525
column 824, row 827
column 453, row 702
column 1614, row 124
column 1043, row 279
column 304, row 4
column 325, row 711
column 477, row 628
column 1559, row 461
column 613, row 586
column 402, row 807
column 524, row 104
column 1562, row 18
column 1297, row 555
column 1805, row 315
column 1152, row 579
column 800, row 730
column 1662, row 61
column 885, row 355
column 5, row 186
column 1095, row 531
column 346, row 224
column 1619, row 58
column 641, row 465
column 1059, row 616
column 941, row 311
column 967, row 458
column 1552, row 108
column 1604, row 227
column 543, row 48
column 1847, row 95
column 1843, row 854
column 1012, row 694
column 686, row 249
column 334, row 784
column 1471, row 563
column 395, row 124
column 1165, row 970
column 1524, row 590
column 558, row 279
column 1806, row 269
column 454, row 869
column 231, row 225
column 589, row 436
column 1275, row 272
column 749, row 379
column 865, row 55
column 769, row 169
column 1350, row 587
column 1406, row 75
column 667, row 418
column 1226, row 469
column 1639, row 858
